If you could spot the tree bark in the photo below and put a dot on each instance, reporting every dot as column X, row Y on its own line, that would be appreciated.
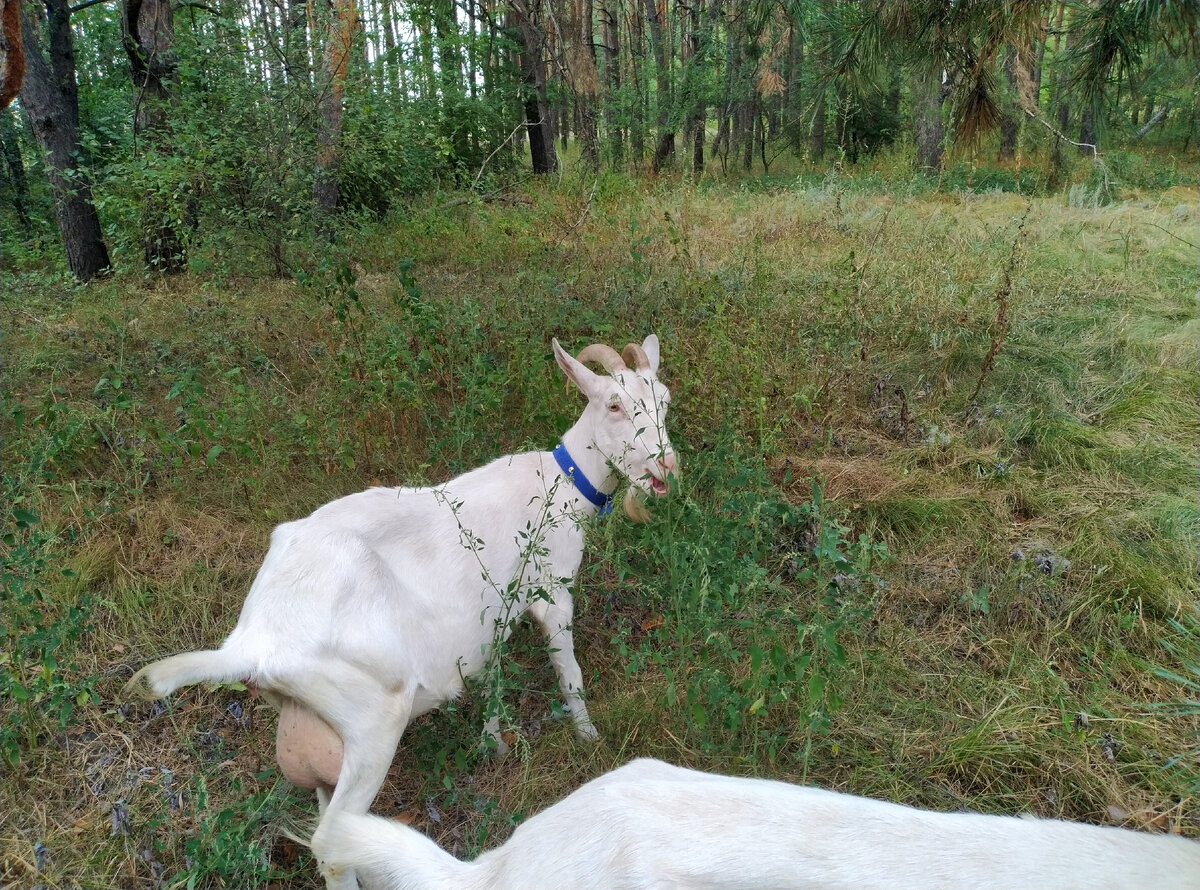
column 16, row 169
column 1010, row 124
column 612, row 73
column 664, row 152
column 694, row 51
column 148, row 34
column 586, row 82
column 12, row 51
column 928, row 129
column 641, row 89
column 538, row 114
column 339, row 40
column 49, row 97
column 1087, row 132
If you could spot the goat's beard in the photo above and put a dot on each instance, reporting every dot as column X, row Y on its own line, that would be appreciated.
column 634, row 508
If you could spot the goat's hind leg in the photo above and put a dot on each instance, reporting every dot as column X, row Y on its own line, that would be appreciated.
column 554, row 618
column 370, row 723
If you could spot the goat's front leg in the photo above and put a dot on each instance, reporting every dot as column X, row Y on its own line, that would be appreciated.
column 554, row 618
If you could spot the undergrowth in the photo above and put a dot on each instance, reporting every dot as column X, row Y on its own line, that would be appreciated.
column 867, row 579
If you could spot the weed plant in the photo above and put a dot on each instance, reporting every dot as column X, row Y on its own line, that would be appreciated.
column 870, row 577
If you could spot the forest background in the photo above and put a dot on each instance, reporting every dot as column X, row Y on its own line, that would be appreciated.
column 925, row 276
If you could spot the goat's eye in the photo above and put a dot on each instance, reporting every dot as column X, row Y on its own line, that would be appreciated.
column 615, row 408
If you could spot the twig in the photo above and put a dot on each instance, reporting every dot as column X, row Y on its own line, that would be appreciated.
column 483, row 166
column 1173, row 235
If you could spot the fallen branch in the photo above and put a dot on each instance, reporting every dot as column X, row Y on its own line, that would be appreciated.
column 1063, row 136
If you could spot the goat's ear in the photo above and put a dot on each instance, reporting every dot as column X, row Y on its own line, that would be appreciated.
column 650, row 347
column 588, row 383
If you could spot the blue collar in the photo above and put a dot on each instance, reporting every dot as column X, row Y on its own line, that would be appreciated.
column 603, row 501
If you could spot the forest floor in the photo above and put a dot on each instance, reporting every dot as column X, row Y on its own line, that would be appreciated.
column 892, row 567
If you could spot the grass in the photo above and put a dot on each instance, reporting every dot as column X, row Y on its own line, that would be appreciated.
column 868, row 582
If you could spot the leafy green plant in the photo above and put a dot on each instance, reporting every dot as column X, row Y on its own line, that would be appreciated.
column 750, row 609
column 231, row 846
column 39, row 638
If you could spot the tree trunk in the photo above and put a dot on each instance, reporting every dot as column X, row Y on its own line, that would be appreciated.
column 1087, row 132
column 49, row 97
column 928, row 130
column 538, row 115
column 749, row 115
column 1010, row 124
column 12, row 52
column 391, row 57
column 791, row 89
column 664, row 152
column 15, row 168
column 584, row 80
column 612, row 73
column 339, row 39
column 148, row 34
column 641, row 88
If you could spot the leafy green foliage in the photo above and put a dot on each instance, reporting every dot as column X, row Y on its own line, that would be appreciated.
column 39, row 637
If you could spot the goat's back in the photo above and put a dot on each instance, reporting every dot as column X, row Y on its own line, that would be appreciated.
column 396, row 579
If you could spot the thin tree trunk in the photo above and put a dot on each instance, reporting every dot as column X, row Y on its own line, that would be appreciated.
column 928, row 129
column 295, row 44
column 1010, row 124
column 1087, row 132
column 148, row 33
column 15, row 168
column 538, row 114
column 791, row 89
column 641, row 86
column 49, row 98
column 339, row 39
column 612, row 72
column 586, row 82
column 12, row 52
column 391, row 59
column 664, row 152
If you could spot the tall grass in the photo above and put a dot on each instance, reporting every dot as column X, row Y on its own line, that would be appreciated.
column 867, row 580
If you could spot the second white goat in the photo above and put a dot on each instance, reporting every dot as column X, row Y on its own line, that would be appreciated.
column 651, row 825
column 373, row 609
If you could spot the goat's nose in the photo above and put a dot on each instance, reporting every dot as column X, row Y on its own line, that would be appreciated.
column 669, row 464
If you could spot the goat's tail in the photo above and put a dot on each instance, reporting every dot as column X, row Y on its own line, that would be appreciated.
column 161, row 678
column 385, row 853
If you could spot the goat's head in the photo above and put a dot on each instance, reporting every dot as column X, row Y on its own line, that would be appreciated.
column 628, row 413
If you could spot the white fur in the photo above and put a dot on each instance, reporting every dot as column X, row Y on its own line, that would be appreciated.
column 652, row 825
column 372, row 610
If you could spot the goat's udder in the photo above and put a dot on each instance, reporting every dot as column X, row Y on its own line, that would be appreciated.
column 307, row 748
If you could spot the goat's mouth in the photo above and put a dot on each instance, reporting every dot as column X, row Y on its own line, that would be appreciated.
column 657, row 486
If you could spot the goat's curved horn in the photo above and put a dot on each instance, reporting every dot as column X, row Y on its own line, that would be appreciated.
column 635, row 357
column 605, row 355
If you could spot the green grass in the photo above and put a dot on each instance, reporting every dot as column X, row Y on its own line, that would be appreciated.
column 925, row 624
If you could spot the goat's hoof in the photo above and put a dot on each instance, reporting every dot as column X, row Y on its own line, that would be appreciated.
column 587, row 732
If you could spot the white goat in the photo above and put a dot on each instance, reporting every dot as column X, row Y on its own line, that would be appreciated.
column 372, row 610
column 652, row 825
